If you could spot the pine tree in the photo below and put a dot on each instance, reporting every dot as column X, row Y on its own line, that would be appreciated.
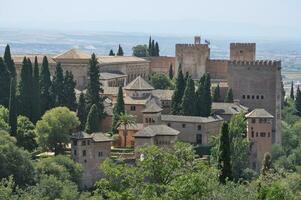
column 57, row 87
column 292, row 95
column 36, row 102
column 45, row 85
column 150, row 46
column 157, row 50
column 207, row 96
column 111, row 53
column 153, row 48
column 188, row 100
column 298, row 101
column 117, row 110
column 224, row 155
column 81, row 111
column 216, row 94
column 94, row 87
column 120, row 51
column 25, row 89
column 178, row 93
column 229, row 96
column 92, row 124
column 69, row 97
column 266, row 163
column 9, row 61
column 13, row 107
column 4, row 84
column 170, row 72
column 200, row 97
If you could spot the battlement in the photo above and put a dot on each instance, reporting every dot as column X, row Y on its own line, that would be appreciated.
column 256, row 63
column 193, row 46
column 251, row 45
column 221, row 61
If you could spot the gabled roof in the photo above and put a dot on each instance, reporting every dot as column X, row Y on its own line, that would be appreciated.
column 96, row 137
column 18, row 59
column 152, row 107
column 119, row 59
column 73, row 54
column 153, row 130
column 259, row 113
column 139, row 84
column 190, row 119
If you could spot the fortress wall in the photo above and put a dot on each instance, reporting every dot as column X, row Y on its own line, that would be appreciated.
column 218, row 69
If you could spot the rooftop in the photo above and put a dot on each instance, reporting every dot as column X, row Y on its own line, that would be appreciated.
column 137, row 126
column 96, row 137
column 228, row 108
column 259, row 113
column 139, row 84
column 18, row 59
column 152, row 108
column 119, row 59
column 108, row 76
column 73, row 54
column 163, row 94
column 153, row 130
column 190, row 119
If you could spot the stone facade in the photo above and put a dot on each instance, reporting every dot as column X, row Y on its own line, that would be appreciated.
column 161, row 64
column 218, row 69
column 243, row 51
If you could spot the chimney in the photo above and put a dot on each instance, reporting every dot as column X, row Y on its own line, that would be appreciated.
column 197, row 39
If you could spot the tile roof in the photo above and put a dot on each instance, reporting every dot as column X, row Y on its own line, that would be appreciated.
column 73, row 54
column 228, row 108
column 110, row 90
column 163, row 94
column 152, row 107
column 139, row 84
column 97, row 137
column 190, row 119
column 259, row 113
column 119, row 59
column 137, row 126
column 128, row 100
column 153, row 130
column 18, row 59
column 108, row 76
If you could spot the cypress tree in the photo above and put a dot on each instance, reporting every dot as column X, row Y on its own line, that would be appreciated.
column 92, row 124
column 4, row 84
column 111, row 53
column 13, row 107
column 150, row 46
column 81, row 111
column 188, row 100
column 9, row 61
column 298, row 101
column 117, row 110
column 178, row 93
column 266, row 163
column 186, row 78
column 200, row 97
column 25, row 89
column 57, row 87
column 36, row 102
column 207, row 96
column 229, row 96
column 216, row 94
column 170, row 72
column 157, row 50
column 292, row 95
column 120, row 51
column 45, row 85
column 153, row 48
column 224, row 155
column 69, row 97
column 94, row 87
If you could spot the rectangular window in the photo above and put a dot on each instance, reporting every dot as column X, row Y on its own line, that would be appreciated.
column 133, row 108
column 74, row 142
column 183, row 125
column 256, row 134
column 199, row 139
column 74, row 152
column 99, row 154
column 84, row 143
column 252, row 134
column 199, row 127
column 84, row 152
column 88, row 142
column 262, row 134
column 253, row 121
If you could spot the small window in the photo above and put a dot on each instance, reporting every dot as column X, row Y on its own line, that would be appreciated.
column 199, row 139
column 84, row 143
column 257, row 96
column 84, row 152
column 248, row 96
column 183, row 125
column 100, row 154
column 262, row 97
column 252, row 134
column 168, row 124
column 241, row 51
column 256, row 134
column 88, row 142
column 269, row 134
column 199, row 127
column 243, row 96
column 133, row 108
column 253, row 97
column 74, row 142
column 253, row 121
column 262, row 134
column 74, row 152
column 146, row 120
column 85, row 161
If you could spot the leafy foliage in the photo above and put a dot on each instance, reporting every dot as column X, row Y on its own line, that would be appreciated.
column 140, row 51
column 26, row 135
column 161, row 81
column 92, row 124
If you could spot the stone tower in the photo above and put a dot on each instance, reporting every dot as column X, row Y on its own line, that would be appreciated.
column 192, row 57
column 259, row 133
column 243, row 51
column 152, row 114
column 257, row 84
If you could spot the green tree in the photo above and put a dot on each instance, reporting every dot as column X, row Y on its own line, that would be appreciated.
column 36, row 93
column 25, row 89
column 4, row 119
column 45, row 85
column 26, row 136
column 161, row 81
column 111, row 53
column 4, row 84
column 81, row 111
column 229, row 96
column 216, row 94
column 224, row 156
column 57, row 87
column 9, row 62
column 157, row 50
column 117, row 110
column 54, row 129
column 125, row 120
column 200, row 96
column 140, row 50
column 150, row 46
column 94, row 88
column 188, row 101
column 266, row 163
column 298, row 101
column 153, row 49
column 92, row 124
column 13, row 107
column 203, row 93
column 69, row 97
column 292, row 94
column 178, row 93
column 120, row 51
column 170, row 72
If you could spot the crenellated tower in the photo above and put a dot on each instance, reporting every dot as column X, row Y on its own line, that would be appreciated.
column 243, row 51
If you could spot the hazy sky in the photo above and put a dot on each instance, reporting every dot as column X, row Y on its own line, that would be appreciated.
column 275, row 18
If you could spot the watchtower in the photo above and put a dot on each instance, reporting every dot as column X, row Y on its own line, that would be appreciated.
column 243, row 51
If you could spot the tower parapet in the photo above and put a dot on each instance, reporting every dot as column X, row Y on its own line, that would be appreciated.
column 243, row 51
column 257, row 63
